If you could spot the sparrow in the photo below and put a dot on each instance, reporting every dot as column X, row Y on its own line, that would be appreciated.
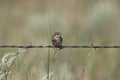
column 57, row 40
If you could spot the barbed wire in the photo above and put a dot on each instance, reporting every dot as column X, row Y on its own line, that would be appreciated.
column 44, row 46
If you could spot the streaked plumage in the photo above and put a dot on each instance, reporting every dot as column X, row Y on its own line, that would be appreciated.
column 57, row 40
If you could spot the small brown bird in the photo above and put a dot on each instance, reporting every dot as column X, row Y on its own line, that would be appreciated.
column 57, row 40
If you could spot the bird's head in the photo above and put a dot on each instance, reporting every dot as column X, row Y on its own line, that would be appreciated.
column 57, row 35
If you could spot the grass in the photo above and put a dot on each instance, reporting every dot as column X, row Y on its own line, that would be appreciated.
column 22, row 22
column 48, row 78
column 7, row 61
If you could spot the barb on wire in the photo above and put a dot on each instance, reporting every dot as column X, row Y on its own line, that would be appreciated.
column 43, row 46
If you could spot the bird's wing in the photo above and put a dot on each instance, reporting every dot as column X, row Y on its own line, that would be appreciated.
column 61, row 39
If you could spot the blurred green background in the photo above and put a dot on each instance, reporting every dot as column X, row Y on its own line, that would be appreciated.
column 81, row 22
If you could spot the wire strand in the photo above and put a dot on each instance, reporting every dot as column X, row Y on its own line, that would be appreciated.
column 43, row 46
